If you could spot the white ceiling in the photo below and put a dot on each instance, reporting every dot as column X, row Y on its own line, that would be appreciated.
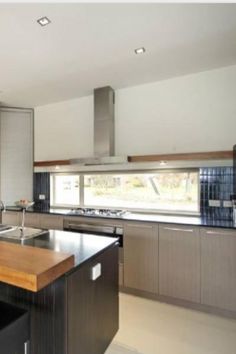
column 92, row 45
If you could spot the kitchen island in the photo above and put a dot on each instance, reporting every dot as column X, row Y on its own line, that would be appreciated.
column 76, row 313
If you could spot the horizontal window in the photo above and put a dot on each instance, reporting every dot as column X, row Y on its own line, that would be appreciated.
column 167, row 191
column 173, row 191
column 65, row 190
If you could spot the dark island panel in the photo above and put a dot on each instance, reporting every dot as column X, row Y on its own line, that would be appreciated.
column 93, row 306
column 14, row 323
column 74, row 314
column 47, row 311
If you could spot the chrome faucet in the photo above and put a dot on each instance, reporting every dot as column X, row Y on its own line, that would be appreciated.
column 2, row 206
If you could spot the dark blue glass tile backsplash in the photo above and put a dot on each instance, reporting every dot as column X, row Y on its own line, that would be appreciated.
column 216, row 183
column 42, row 186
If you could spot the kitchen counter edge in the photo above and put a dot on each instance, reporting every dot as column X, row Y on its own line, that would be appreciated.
column 138, row 217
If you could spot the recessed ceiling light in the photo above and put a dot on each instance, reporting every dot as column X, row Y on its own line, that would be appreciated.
column 140, row 50
column 43, row 21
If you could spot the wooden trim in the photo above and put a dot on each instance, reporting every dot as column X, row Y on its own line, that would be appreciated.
column 211, row 155
column 51, row 163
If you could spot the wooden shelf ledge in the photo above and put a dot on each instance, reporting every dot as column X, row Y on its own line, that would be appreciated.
column 212, row 155
column 51, row 163
column 191, row 156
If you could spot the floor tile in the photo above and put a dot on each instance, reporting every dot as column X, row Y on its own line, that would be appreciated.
column 152, row 327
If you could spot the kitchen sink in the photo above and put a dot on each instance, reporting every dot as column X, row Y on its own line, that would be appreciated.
column 4, row 228
column 19, row 233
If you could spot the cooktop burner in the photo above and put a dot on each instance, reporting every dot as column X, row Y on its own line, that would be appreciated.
column 98, row 212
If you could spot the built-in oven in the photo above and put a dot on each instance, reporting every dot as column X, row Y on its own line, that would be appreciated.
column 115, row 231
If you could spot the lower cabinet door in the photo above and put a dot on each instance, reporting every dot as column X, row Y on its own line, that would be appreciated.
column 218, row 270
column 32, row 220
column 11, row 218
column 179, row 262
column 141, row 257
column 93, row 305
column 53, row 222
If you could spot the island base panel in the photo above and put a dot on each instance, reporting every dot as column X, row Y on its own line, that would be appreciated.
column 92, row 318
column 93, row 306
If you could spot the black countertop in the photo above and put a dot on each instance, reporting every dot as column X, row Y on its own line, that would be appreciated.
column 155, row 218
column 83, row 246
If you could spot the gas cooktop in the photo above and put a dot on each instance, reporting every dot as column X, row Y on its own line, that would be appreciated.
column 97, row 212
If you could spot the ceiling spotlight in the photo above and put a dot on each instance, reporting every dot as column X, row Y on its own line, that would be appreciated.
column 43, row 21
column 140, row 50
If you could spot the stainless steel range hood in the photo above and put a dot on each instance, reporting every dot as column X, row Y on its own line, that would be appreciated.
column 104, row 130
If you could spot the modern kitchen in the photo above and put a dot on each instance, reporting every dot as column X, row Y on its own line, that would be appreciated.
column 117, row 178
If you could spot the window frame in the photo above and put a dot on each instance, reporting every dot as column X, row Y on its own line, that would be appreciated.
column 110, row 172
column 53, row 192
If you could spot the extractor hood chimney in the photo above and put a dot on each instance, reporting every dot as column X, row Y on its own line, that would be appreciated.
column 104, row 130
column 104, row 127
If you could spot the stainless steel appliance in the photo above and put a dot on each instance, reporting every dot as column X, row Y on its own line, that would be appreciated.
column 116, row 213
column 115, row 231
column 104, row 130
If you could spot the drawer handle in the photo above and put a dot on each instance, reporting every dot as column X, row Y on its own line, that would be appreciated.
column 96, row 271
column 26, row 347
column 216, row 233
column 176, row 229
column 138, row 226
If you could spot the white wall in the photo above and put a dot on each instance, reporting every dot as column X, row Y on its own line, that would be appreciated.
column 64, row 130
column 191, row 113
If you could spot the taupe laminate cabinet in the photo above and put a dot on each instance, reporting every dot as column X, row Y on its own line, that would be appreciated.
column 44, row 221
column 141, row 256
column 11, row 218
column 37, row 220
column 53, row 222
column 179, row 262
column 32, row 220
column 218, row 268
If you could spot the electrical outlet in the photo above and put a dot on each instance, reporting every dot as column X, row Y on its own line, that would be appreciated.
column 227, row 204
column 42, row 197
column 96, row 271
column 214, row 203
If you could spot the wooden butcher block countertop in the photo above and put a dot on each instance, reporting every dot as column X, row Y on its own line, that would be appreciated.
column 32, row 268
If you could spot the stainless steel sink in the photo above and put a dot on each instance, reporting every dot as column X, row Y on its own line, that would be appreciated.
column 19, row 233
column 4, row 228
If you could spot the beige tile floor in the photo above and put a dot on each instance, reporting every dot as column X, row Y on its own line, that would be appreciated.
column 151, row 327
